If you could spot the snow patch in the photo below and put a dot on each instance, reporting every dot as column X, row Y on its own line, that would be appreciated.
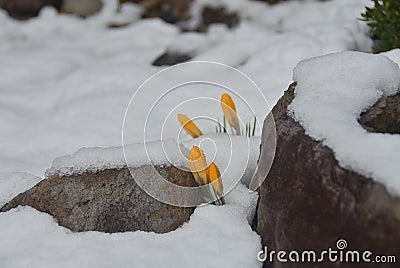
column 14, row 183
column 394, row 55
column 97, row 159
column 236, row 157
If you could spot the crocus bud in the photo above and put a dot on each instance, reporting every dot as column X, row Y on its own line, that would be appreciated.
column 189, row 126
column 229, row 109
column 214, row 176
column 198, row 165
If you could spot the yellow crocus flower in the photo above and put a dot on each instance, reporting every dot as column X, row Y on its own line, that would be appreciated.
column 198, row 165
column 214, row 176
column 229, row 109
column 189, row 126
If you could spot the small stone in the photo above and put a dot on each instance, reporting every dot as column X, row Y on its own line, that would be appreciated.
column 169, row 58
column 82, row 8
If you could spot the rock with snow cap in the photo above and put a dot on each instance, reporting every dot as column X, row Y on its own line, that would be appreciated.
column 106, row 199
column 309, row 199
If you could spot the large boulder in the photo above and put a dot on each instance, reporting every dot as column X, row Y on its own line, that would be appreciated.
column 107, row 200
column 308, row 201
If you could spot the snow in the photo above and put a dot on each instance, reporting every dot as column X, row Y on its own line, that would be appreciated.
column 235, row 156
column 128, row 13
column 98, row 159
column 66, row 82
column 393, row 54
column 331, row 93
column 223, row 234
column 87, row 159
column 194, row 43
column 213, row 237
column 12, row 184
column 69, row 94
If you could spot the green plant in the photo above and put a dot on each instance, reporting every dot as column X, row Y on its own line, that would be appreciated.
column 249, row 131
column 384, row 21
column 221, row 128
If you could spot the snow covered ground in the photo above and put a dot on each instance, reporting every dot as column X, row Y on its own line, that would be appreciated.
column 215, row 236
column 65, row 84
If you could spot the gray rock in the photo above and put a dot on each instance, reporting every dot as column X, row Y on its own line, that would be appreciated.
column 82, row 8
column 211, row 15
column 308, row 201
column 107, row 201
column 171, row 11
column 169, row 58
column 25, row 9
column 384, row 116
